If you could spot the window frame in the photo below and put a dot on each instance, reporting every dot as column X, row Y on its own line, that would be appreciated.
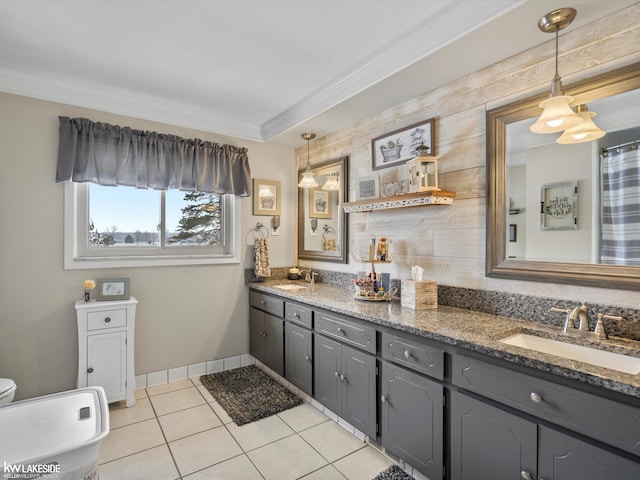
column 77, row 255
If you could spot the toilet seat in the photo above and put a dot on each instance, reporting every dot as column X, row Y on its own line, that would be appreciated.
column 7, row 387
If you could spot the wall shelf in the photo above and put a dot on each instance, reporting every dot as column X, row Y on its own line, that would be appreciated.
column 400, row 201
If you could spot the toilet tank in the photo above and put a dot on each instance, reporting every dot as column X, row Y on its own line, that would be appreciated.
column 54, row 434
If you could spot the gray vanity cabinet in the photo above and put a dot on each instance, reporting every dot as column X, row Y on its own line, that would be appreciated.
column 345, row 383
column 298, row 353
column 266, row 330
column 412, row 419
column 487, row 442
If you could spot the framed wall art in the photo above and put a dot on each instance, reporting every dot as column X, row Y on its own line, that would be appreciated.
column 558, row 206
column 319, row 203
column 367, row 188
column 112, row 289
column 266, row 197
column 396, row 147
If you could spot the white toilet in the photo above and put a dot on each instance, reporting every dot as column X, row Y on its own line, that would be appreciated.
column 7, row 391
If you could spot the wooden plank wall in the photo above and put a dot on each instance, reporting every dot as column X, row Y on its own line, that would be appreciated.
column 449, row 241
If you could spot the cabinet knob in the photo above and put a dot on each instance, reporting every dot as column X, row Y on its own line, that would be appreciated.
column 383, row 399
column 337, row 374
column 107, row 320
column 90, row 370
column 407, row 354
column 263, row 302
column 307, row 358
column 340, row 330
column 535, row 397
column 525, row 476
column 342, row 378
column 295, row 314
column 264, row 334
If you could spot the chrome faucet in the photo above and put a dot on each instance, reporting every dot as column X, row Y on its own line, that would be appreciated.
column 309, row 276
column 581, row 314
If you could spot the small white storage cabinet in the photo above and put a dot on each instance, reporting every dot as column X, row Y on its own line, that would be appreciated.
column 105, row 347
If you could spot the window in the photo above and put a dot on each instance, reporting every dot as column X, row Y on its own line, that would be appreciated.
column 124, row 226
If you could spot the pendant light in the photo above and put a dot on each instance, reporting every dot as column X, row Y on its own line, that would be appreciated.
column 585, row 131
column 307, row 177
column 332, row 183
column 557, row 114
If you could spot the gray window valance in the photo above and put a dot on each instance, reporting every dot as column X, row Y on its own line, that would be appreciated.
column 112, row 155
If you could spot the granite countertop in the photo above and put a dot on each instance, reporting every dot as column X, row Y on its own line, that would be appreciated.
column 474, row 331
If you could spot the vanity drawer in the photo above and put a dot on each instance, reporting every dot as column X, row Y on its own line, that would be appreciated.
column 267, row 303
column 605, row 420
column 107, row 319
column 298, row 314
column 337, row 327
column 414, row 355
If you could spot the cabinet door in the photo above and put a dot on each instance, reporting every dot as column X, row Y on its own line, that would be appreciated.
column 412, row 419
column 358, row 378
column 561, row 457
column 327, row 365
column 107, row 364
column 298, row 357
column 488, row 443
column 256, row 333
column 274, row 343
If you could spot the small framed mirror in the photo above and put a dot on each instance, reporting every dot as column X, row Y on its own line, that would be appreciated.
column 322, row 226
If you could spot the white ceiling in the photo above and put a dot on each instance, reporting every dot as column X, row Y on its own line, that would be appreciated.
column 264, row 70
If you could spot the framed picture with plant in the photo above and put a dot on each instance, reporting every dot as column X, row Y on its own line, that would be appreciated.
column 319, row 203
column 395, row 148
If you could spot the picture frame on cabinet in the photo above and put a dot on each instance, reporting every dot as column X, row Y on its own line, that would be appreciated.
column 395, row 148
column 108, row 289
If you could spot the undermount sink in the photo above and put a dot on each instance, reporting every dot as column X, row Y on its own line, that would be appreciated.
column 290, row 287
column 601, row 358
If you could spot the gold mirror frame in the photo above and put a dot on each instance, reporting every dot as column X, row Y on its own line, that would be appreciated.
column 497, row 265
column 339, row 256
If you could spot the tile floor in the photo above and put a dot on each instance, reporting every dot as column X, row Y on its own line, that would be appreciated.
column 178, row 431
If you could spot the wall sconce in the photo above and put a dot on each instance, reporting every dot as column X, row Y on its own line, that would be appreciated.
column 557, row 115
column 307, row 177
column 585, row 131
column 423, row 171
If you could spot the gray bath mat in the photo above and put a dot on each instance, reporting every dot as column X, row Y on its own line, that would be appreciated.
column 248, row 394
column 394, row 472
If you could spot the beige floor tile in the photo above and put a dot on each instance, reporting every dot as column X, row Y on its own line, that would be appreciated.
column 364, row 464
column 205, row 393
column 131, row 439
column 187, row 422
column 238, row 468
column 325, row 473
column 140, row 394
column 203, row 450
column 222, row 414
column 286, row 459
column 120, row 415
column 154, row 463
column 176, row 400
column 169, row 387
column 256, row 434
column 332, row 441
column 302, row 417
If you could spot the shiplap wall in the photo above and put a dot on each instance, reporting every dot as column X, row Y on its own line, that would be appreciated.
column 449, row 241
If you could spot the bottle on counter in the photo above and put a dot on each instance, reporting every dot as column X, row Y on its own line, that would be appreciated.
column 372, row 247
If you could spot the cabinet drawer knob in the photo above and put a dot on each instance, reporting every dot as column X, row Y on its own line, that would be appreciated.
column 337, row 374
column 340, row 330
column 342, row 378
column 407, row 354
column 307, row 358
column 263, row 302
column 525, row 476
column 383, row 399
column 535, row 397
column 90, row 370
column 107, row 320
column 295, row 315
column 264, row 334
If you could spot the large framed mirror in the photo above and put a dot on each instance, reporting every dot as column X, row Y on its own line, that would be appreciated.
column 322, row 226
column 526, row 173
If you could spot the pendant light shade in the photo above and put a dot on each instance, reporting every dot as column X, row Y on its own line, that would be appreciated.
column 307, row 176
column 332, row 183
column 557, row 114
column 585, row 131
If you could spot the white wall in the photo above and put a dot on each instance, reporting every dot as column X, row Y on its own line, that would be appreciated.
column 186, row 314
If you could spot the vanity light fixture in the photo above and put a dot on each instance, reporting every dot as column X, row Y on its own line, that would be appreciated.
column 332, row 183
column 585, row 131
column 307, row 176
column 557, row 115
